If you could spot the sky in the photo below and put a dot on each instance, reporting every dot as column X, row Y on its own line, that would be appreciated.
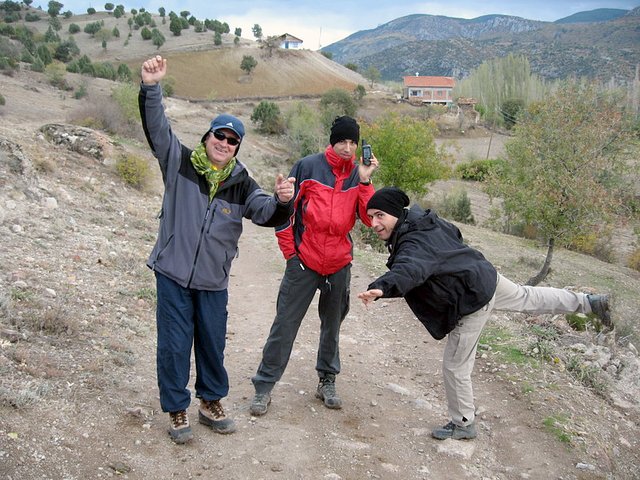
column 320, row 23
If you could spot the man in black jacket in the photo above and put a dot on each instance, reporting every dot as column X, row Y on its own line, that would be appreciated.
column 452, row 289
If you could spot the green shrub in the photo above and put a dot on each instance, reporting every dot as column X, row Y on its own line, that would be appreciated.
column 126, row 96
column 477, row 170
column 80, row 92
column 168, row 85
column 456, row 206
column 133, row 170
column 596, row 243
column 124, row 73
column 334, row 103
column 37, row 65
column 56, row 75
column 359, row 93
column 267, row 116
column 304, row 131
column 2, row 100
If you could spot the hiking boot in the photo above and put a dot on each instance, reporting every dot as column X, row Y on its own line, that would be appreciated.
column 179, row 428
column 600, row 308
column 212, row 415
column 260, row 404
column 456, row 432
column 327, row 392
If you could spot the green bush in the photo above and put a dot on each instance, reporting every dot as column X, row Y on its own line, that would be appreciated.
column 456, row 206
column 510, row 109
column 133, row 170
column 126, row 96
column 55, row 72
column 81, row 91
column 477, row 170
column 267, row 116
column 359, row 93
column 168, row 85
column 2, row 100
column 335, row 103
column 304, row 131
column 410, row 157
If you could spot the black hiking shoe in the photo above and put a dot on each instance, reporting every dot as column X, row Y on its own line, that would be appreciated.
column 600, row 308
column 327, row 392
column 456, row 432
column 212, row 415
column 179, row 428
column 260, row 404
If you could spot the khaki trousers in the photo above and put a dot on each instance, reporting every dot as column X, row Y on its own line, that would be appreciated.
column 462, row 342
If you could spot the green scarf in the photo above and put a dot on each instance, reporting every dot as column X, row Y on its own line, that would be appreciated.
column 213, row 175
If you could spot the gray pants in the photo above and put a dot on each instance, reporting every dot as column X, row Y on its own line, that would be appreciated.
column 297, row 290
column 460, row 350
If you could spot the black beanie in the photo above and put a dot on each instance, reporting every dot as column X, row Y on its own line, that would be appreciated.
column 344, row 128
column 390, row 200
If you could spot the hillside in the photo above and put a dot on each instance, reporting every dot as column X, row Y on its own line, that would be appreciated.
column 205, row 71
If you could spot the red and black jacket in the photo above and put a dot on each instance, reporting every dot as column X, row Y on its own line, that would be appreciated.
column 328, row 199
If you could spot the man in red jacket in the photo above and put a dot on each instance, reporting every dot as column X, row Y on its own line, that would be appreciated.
column 331, row 191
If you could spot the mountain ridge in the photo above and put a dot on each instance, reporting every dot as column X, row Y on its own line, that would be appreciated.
column 605, row 47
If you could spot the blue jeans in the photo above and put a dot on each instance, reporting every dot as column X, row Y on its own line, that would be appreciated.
column 297, row 290
column 186, row 317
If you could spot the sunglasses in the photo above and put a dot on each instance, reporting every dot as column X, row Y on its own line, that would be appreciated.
column 233, row 141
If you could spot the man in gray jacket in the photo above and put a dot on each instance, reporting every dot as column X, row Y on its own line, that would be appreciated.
column 207, row 194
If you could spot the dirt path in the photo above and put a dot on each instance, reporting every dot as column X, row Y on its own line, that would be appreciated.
column 106, row 419
column 78, row 393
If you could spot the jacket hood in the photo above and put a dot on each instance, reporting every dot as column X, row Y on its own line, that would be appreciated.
column 415, row 218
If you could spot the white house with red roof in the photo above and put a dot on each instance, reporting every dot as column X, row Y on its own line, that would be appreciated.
column 429, row 90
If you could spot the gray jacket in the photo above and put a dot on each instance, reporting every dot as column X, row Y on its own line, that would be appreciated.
column 198, row 239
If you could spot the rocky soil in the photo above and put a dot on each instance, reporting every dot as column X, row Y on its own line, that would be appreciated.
column 78, row 394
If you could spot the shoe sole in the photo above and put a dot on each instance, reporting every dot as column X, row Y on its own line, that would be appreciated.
column 215, row 426
column 332, row 407
column 259, row 413
column 452, row 437
column 181, row 437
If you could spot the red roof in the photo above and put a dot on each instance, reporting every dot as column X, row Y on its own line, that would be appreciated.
column 415, row 81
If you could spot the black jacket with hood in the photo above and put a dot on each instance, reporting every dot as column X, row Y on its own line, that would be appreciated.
column 440, row 277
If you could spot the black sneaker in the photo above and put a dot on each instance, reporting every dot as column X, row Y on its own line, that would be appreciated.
column 179, row 428
column 456, row 432
column 600, row 308
column 212, row 415
column 260, row 404
column 326, row 392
